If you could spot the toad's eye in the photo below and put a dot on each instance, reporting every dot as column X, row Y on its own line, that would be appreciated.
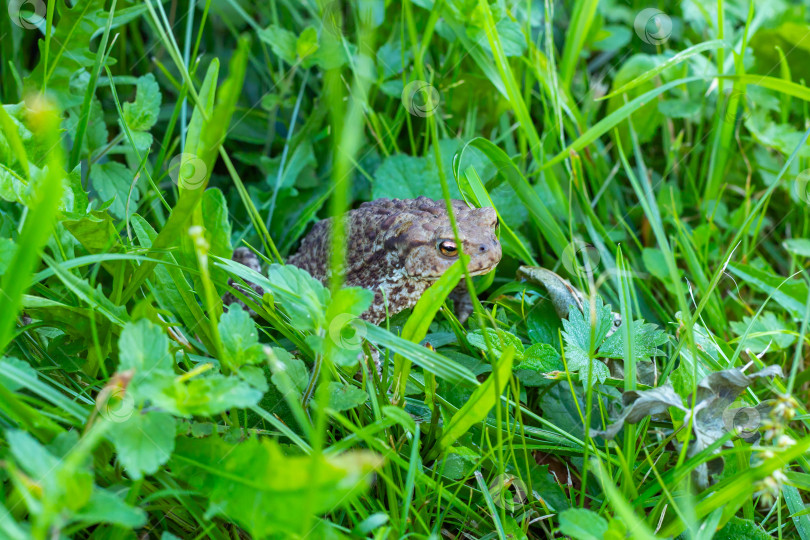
column 448, row 248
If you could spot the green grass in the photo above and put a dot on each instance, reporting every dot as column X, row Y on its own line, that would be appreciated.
column 656, row 157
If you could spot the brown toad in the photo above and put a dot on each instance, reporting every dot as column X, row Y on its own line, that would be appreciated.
column 398, row 248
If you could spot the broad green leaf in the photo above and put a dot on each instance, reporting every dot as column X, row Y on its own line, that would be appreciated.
column 7, row 249
column 307, row 43
column 499, row 340
column 240, row 339
column 143, row 442
column 798, row 246
column 210, row 395
column 408, row 177
column 263, row 490
column 295, row 371
column 582, row 524
column 142, row 113
column 662, row 66
column 741, row 528
column 646, row 340
column 114, row 182
column 789, row 293
column 343, row 397
column 282, row 42
column 300, row 295
column 144, row 347
column 541, row 357
column 94, row 230
column 106, row 507
column 764, row 332
column 344, row 336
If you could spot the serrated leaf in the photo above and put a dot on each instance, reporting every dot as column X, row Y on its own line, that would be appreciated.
column 577, row 328
column 208, row 396
column 143, row 442
column 112, row 181
column 499, row 340
column 646, row 340
column 263, row 490
column 343, row 397
column 541, row 357
column 240, row 338
column 582, row 524
column 142, row 113
column 775, row 334
column 294, row 368
column 282, row 42
column 307, row 42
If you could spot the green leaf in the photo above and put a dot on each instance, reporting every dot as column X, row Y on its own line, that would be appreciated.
column 582, row 524
column 217, row 232
column 775, row 335
column 789, row 293
column 94, row 230
column 240, row 339
column 407, row 177
column 295, row 369
column 344, row 336
column 741, row 528
column 210, row 395
column 70, row 44
column 282, row 42
column 307, row 42
column 655, row 263
column 144, row 347
column 646, row 340
column 263, row 490
column 6, row 364
column 142, row 114
column 541, row 357
column 143, row 442
column 301, row 296
column 499, row 340
column 7, row 249
column 578, row 329
column 798, row 246
column 510, row 33
column 343, row 397
column 441, row 366
column 107, row 507
column 112, row 181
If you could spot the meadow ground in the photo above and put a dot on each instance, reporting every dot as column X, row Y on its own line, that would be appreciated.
column 655, row 156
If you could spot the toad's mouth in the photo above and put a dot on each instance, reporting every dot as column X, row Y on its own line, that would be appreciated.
column 480, row 271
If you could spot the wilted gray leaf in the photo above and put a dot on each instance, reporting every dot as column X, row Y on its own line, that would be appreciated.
column 639, row 404
column 714, row 416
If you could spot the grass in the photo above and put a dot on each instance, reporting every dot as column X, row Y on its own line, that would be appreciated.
column 655, row 157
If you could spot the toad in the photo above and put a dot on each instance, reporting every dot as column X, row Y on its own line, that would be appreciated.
column 397, row 248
